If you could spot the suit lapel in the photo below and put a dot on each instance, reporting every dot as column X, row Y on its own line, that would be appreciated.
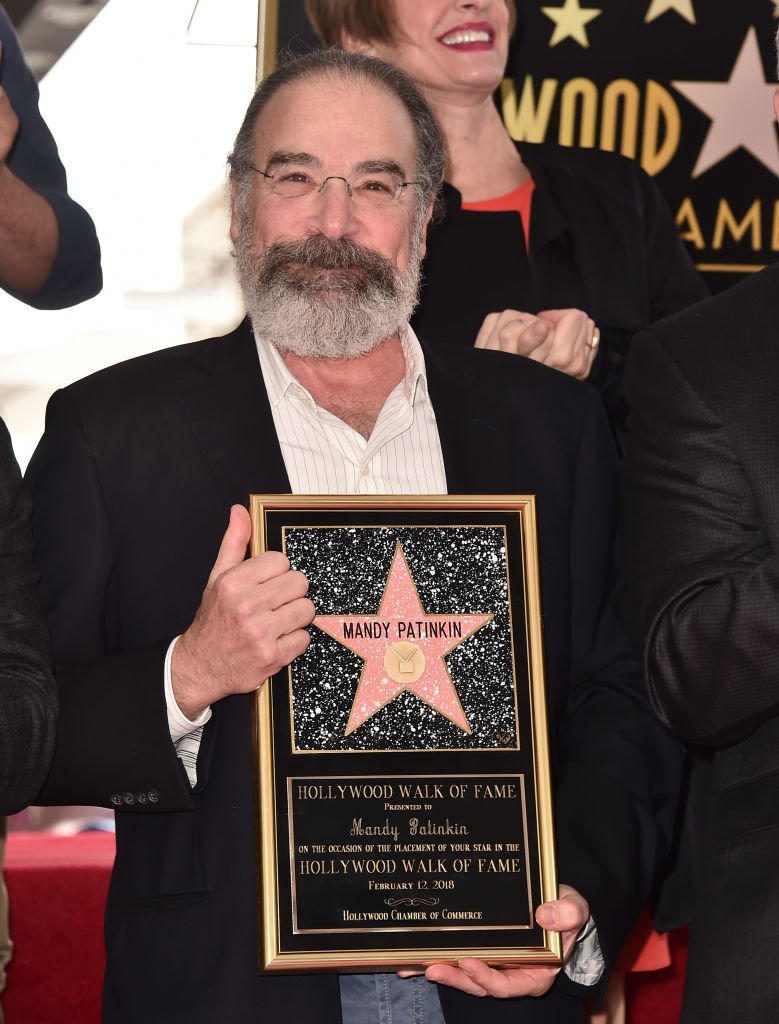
column 476, row 454
column 227, row 407
column 224, row 400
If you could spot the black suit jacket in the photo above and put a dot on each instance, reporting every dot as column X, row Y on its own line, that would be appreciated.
column 133, row 480
column 602, row 239
column 28, row 696
column 701, row 597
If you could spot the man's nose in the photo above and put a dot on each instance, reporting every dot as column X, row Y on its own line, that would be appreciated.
column 332, row 208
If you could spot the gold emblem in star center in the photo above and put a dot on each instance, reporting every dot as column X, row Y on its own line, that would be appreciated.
column 404, row 662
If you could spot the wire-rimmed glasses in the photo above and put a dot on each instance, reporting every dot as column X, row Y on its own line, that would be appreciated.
column 371, row 187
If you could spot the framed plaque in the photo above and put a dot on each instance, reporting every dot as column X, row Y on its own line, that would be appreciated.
column 403, row 794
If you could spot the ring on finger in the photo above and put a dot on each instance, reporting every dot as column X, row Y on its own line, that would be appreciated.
column 594, row 340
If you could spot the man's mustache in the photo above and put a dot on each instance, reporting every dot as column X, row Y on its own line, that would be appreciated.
column 321, row 253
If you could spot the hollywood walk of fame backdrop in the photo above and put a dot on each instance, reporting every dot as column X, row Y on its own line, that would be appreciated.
column 414, row 724
column 683, row 86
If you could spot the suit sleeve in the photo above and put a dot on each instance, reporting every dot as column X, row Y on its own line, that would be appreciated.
column 701, row 583
column 113, row 745
column 28, row 698
column 620, row 770
column 76, row 274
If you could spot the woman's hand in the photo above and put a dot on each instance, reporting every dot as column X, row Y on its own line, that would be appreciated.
column 565, row 339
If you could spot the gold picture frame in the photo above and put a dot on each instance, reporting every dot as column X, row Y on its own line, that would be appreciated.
column 404, row 808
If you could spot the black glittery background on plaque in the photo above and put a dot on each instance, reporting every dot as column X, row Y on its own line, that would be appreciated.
column 457, row 570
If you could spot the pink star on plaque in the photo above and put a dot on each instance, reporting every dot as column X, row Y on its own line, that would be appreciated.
column 403, row 649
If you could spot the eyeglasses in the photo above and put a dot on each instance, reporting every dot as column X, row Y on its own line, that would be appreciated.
column 369, row 188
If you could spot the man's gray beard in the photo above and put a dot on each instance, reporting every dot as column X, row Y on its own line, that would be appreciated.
column 344, row 313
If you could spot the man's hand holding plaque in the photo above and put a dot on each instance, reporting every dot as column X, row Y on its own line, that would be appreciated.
column 567, row 915
column 250, row 623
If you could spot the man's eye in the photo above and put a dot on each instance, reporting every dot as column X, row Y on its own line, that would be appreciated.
column 377, row 185
column 295, row 177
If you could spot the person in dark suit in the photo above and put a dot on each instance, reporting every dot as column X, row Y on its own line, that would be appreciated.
column 28, row 697
column 700, row 590
column 28, row 694
column 552, row 252
column 49, row 259
column 334, row 174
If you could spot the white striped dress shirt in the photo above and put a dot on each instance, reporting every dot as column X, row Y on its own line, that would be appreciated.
column 324, row 455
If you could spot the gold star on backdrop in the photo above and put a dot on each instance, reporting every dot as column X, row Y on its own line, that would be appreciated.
column 658, row 7
column 570, row 20
column 741, row 111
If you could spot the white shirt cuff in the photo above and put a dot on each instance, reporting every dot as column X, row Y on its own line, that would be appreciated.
column 178, row 723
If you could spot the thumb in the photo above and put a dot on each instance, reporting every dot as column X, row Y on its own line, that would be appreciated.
column 567, row 914
column 539, row 331
column 232, row 550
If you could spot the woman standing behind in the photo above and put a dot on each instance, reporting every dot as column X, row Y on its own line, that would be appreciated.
column 554, row 253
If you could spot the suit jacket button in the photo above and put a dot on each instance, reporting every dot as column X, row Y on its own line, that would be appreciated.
column 154, row 796
column 116, row 799
column 129, row 799
column 141, row 797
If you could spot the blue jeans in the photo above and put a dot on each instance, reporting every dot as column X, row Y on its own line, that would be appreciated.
column 388, row 999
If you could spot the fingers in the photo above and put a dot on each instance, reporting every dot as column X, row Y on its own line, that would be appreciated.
column 485, row 331
column 565, row 339
column 513, row 331
column 478, row 979
column 572, row 350
column 294, row 615
column 262, row 621
column 460, row 977
column 262, row 583
column 568, row 915
column 290, row 646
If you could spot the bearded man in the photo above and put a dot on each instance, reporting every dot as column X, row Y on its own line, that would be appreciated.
column 334, row 178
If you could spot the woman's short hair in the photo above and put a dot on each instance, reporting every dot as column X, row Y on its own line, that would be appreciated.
column 365, row 21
